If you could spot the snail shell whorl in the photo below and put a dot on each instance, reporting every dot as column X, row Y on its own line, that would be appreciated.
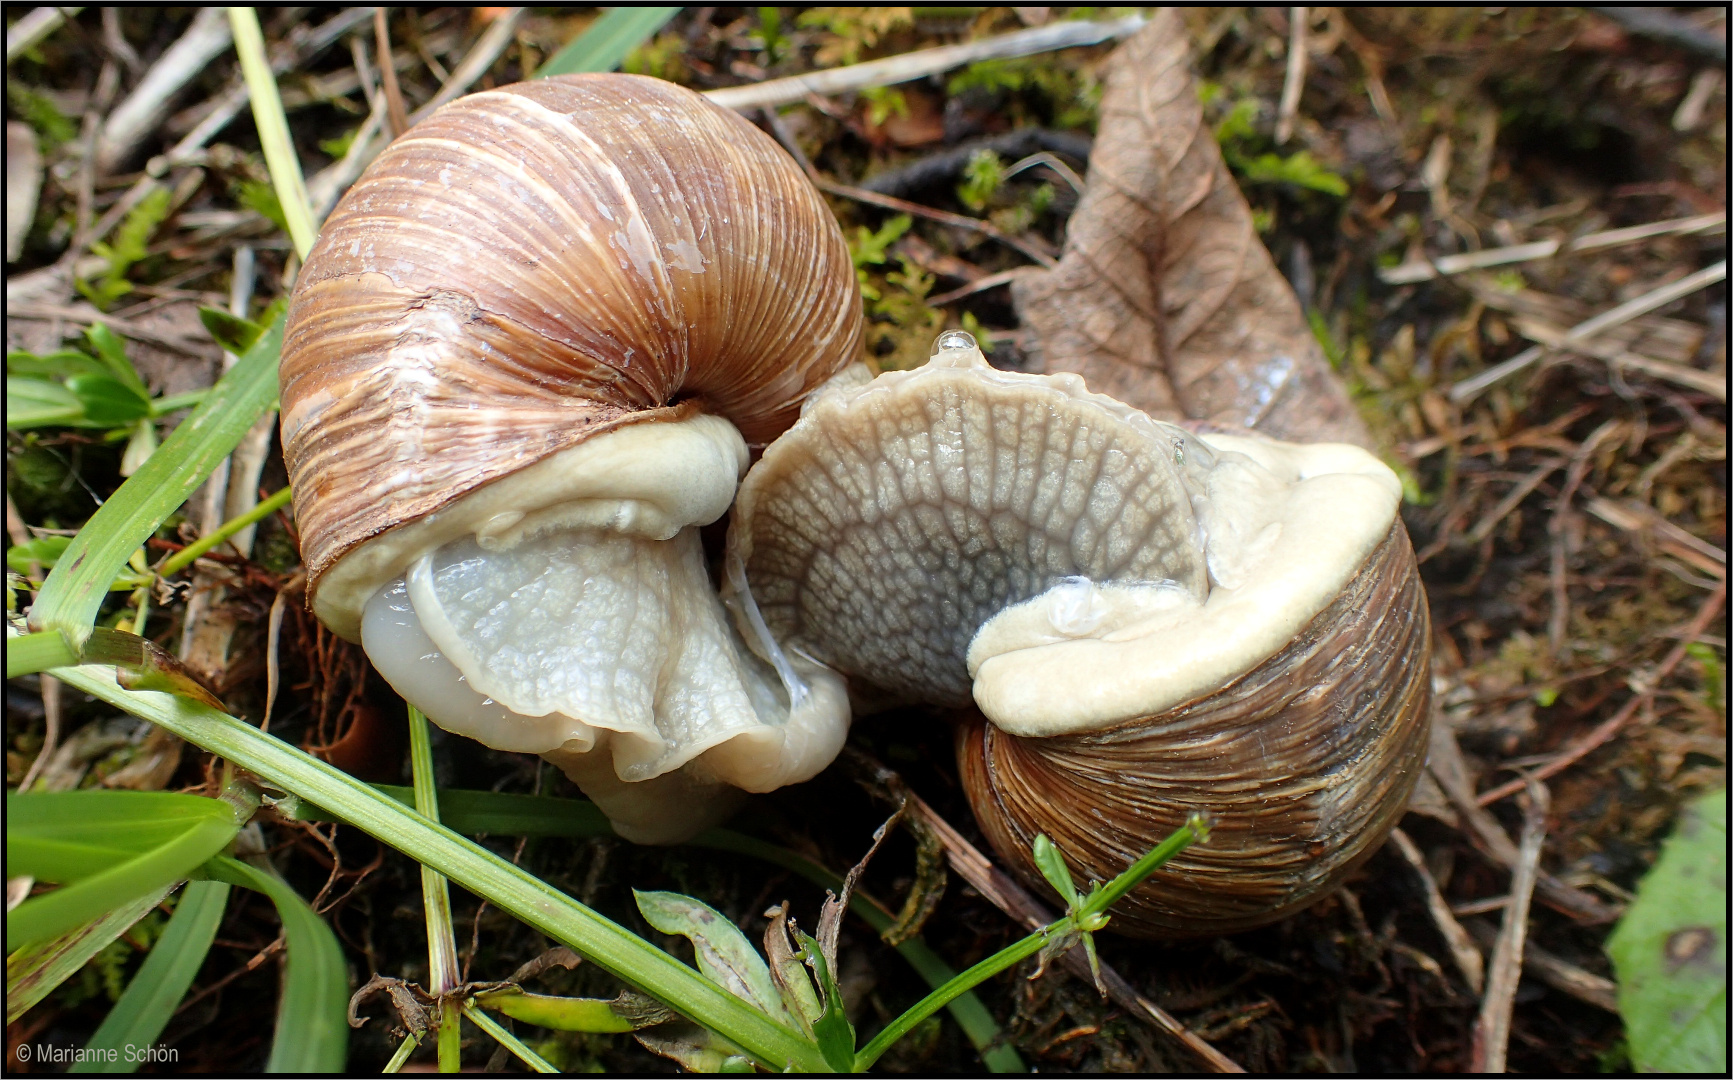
column 535, row 265
column 1304, row 764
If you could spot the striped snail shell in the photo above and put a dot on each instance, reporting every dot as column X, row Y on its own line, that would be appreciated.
column 523, row 364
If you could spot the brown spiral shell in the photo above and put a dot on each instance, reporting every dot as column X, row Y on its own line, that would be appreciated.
column 1304, row 764
column 535, row 265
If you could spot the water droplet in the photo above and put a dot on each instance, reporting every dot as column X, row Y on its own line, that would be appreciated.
column 953, row 339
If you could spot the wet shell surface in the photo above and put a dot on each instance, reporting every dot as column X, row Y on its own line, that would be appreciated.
column 1303, row 765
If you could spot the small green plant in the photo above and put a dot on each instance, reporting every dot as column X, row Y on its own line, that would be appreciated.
column 261, row 198
column 982, row 178
column 52, row 127
column 883, row 102
column 852, row 31
column 130, row 246
column 660, row 58
column 1072, row 97
column 95, row 389
column 1238, row 136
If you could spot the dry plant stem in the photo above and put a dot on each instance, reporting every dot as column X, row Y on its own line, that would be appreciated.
column 1558, row 973
column 50, row 686
column 140, row 113
column 1445, row 763
column 1581, row 748
column 398, row 115
column 991, row 281
column 85, row 314
column 330, row 183
column 924, row 62
column 1462, row 948
column 1553, row 337
column 1446, row 265
column 33, row 29
column 1005, row 893
column 1633, row 516
column 1469, row 389
column 207, row 629
column 1492, row 1030
column 1295, row 81
column 986, row 228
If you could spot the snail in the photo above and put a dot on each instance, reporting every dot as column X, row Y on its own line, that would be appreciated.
column 1138, row 622
column 523, row 365
column 528, row 360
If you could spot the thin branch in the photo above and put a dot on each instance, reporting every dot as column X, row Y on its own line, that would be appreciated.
column 1295, row 81
column 1469, row 389
column 924, row 62
column 1588, row 743
column 1492, row 1029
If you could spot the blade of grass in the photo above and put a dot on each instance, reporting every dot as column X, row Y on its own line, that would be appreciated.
column 607, row 944
column 608, row 41
column 56, row 912
column 503, row 814
column 183, row 558
column 27, row 654
column 33, row 971
column 273, row 128
column 507, row 1039
column 442, row 969
column 73, row 594
column 137, row 1019
column 312, row 1015
column 404, row 1049
column 1078, row 918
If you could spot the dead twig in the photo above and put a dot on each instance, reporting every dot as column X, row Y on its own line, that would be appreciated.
column 924, row 62
column 1295, row 80
column 1559, row 620
column 398, row 115
column 1469, row 389
column 1462, row 949
column 1556, row 972
column 142, row 111
column 986, row 228
column 1492, row 1030
column 1446, row 265
column 1588, row 743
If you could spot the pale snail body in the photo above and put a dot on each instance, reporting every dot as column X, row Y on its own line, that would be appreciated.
column 523, row 364
column 1152, row 622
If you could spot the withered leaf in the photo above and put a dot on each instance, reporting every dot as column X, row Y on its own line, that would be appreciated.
column 1165, row 297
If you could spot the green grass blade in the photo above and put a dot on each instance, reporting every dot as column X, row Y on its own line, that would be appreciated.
column 507, row 1039
column 503, row 814
column 73, row 594
column 33, row 971
column 608, row 41
column 137, row 1019
column 183, row 558
column 273, row 128
column 37, row 403
column 607, row 944
column 27, row 654
column 59, row 911
column 312, row 1015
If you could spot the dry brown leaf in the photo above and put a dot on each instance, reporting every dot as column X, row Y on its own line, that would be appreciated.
column 1165, row 297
